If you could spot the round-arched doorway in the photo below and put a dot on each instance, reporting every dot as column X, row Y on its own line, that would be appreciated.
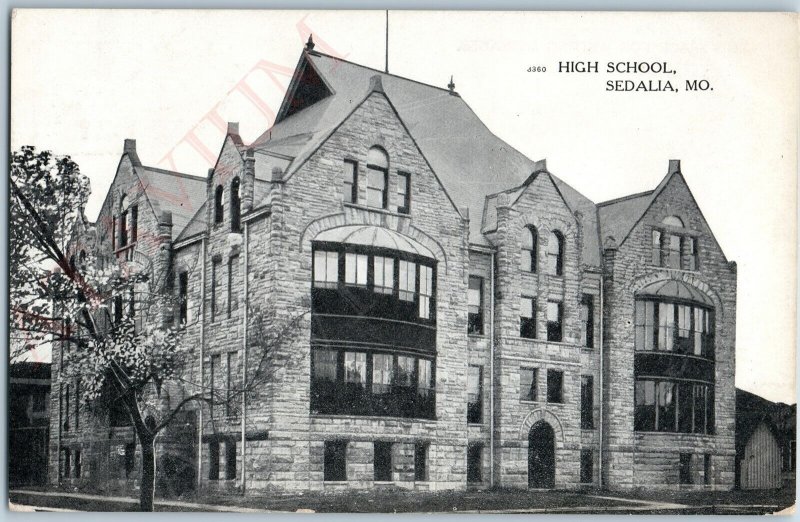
column 541, row 456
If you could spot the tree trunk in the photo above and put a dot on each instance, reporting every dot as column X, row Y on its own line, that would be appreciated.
column 147, row 493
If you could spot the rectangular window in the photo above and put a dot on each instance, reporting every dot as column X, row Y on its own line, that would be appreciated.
column 655, row 249
column 403, row 192
column 383, row 270
column 587, row 321
column 555, row 386
column 666, row 326
column 213, row 460
column 474, row 464
column 528, row 380
column 213, row 371
column 326, row 269
column 555, row 315
column 707, row 469
column 130, row 458
column 425, row 291
column 527, row 318
column 644, row 324
column 587, row 402
column 407, row 280
column 134, row 223
column 66, row 408
column 355, row 368
column 376, row 187
column 666, row 412
column 77, row 404
column 350, row 185
column 475, row 395
column 117, row 309
column 214, row 291
column 229, row 376
column 475, row 305
column 355, row 269
column 405, row 371
column 673, row 251
column 382, row 461
column 335, row 464
column 233, row 277
column 644, row 418
column 325, row 365
column 684, row 337
column 425, row 376
column 67, row 463
column 691, row 253
column 123, row 229
column 685, row 474
column 421, row 461
column 382, row 373
column 183, row 298
column 587, row 466
column 230, row 460
column 77, row 463
column 699, row 408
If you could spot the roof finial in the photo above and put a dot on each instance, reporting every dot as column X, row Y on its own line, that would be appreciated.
column 310, row 43
column 451, row 85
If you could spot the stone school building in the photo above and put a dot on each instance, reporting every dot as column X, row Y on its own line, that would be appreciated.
column 468, row 318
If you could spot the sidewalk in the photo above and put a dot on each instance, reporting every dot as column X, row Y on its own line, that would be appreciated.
column 171, row 505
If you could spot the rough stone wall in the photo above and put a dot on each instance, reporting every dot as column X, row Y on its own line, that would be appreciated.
column 540, row 206
column 101, row 466
column 644, row 459
column 311, row 201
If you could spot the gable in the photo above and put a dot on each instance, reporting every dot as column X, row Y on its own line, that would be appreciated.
column 306, row 89
column 673, row 197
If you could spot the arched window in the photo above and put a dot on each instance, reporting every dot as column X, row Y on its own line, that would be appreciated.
column 377, row 178
column 236, row 206
column 530, row 250
column 219, row 210
column 673, row 221
column 555, row 253
column 123, row 221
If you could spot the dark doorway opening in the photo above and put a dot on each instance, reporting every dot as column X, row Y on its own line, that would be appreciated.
column 541, row 456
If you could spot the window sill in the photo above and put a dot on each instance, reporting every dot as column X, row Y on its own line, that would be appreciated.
column 334, row 482
column 681, row 270
column 590, row 430
column 375, row 209
column 477, row 335
column 370, row 417
column 384, row 482
column 477, row 424
column 529, row 401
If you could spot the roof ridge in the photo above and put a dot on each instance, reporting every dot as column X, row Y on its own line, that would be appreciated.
column 623, row 198
column 316, row 53
column 175, row 173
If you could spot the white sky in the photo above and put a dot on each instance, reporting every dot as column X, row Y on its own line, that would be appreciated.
column 82, row 81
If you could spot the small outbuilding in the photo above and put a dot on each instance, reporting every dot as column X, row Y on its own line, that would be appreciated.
column 758, row 444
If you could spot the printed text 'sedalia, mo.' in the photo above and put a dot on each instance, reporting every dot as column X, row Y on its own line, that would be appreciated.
column 625, row 67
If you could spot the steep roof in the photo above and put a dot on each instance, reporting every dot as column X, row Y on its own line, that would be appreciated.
column 179, row 193
column 470, row 161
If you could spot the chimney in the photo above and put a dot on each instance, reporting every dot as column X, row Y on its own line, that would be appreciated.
column 233, row 132
column 277, row 175
column 540, row 165
column 375, row 83
column 165, row 225
column 674, row 166
column 249, row 181
column 129, row 148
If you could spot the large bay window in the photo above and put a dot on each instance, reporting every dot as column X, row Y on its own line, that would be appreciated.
column 685, row 328
column 674, row 405
column 367, row 382
column 673, row 363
